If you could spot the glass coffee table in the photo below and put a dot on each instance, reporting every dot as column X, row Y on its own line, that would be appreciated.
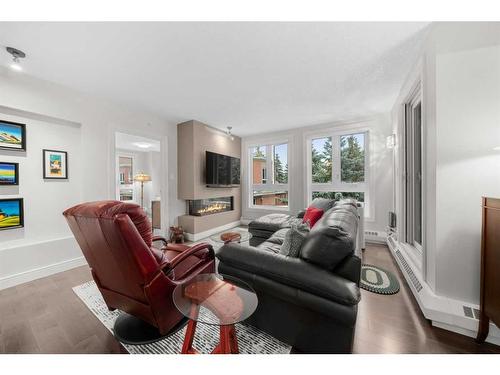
column 215, row 300
column 232, row 235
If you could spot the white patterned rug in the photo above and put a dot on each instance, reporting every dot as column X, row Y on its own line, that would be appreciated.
column 250, row 339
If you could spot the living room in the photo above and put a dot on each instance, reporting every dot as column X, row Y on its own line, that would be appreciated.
column 249, row 187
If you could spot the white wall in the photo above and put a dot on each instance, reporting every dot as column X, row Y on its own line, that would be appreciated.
column 460, row 71
column 381, row 193
column 468, row 119
column 99, row 120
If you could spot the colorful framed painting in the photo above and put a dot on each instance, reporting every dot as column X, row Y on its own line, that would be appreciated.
column 9, row 173
column 55, row 164
column 12, row 136
column 11, row 213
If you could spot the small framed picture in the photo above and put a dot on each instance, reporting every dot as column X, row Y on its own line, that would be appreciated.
column 11, row 213
column 55, row 164
column 12, row 136
column 9, row 173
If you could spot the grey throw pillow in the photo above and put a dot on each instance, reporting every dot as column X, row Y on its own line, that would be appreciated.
column 293, row 240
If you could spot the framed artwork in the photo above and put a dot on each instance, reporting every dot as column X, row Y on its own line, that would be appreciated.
column 9, row 173
column 11, row 213
column 12, row 136
column 55, row 164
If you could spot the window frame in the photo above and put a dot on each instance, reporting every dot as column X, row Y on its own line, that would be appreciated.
column 408, row 167
column 269, row 185
column 337, row 185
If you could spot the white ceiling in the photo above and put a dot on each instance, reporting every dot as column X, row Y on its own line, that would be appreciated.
column 133, row 142
column 256, row 77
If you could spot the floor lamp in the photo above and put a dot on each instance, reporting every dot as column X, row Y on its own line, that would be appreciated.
column 142, row 178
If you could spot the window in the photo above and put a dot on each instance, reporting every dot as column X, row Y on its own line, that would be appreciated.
column 352, row 158
column 337, row 166
column 269, row 189
column 321, row 149
column 413, row 171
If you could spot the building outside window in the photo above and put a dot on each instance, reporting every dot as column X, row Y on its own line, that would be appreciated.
column 269, row 168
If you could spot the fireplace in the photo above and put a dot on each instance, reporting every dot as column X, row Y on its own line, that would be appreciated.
column 209, row 206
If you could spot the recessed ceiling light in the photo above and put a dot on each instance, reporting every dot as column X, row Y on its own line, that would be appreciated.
column 16, row 55
column 496, row 148
column 143, row 144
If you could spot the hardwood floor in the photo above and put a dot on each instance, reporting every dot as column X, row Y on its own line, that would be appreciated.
column 394, row 324
column 45, row 316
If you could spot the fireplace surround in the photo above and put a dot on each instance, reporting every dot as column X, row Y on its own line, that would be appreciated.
column 210, row 206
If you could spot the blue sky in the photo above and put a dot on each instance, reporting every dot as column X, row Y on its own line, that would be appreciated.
column 10, row 207
column 10, row 129
column 282, row 152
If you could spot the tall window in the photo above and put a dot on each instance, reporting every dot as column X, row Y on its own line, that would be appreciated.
column 269, row 175
column 413, row 171
column 337, row 166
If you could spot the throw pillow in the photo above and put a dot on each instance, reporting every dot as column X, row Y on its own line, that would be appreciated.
column 293, row 242
column 312, row 215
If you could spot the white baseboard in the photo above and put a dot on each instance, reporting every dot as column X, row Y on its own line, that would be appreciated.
column 201, row 235
column 26, row 276
column 444, row 312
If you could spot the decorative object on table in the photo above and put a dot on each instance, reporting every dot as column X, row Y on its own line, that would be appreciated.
column 55, row 165
column 377, row 280
column 218, row 300
column 12, row 136
column 9, row 173
column 250, row 340
column 489, row 305
column 233, row 235
column 11, row 213
column 142, row 178
column 230, row 237
column 176, row 235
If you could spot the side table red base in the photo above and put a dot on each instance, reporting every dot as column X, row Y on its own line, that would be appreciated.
column 228, row 343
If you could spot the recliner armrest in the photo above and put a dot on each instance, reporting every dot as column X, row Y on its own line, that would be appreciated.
column 290, row 271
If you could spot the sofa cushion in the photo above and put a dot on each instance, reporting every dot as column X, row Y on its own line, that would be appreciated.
column 332, row 239
column 347, row 201
column 270, row 247
column 271, row 222
column 312, row 215
column 278, row 236
column 322, row 203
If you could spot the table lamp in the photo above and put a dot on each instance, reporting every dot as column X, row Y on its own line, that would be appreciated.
column 142, row 178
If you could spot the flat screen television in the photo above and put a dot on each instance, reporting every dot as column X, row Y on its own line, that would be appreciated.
column 222, row 170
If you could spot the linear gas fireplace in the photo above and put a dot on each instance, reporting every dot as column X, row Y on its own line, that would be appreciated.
column 209, row 206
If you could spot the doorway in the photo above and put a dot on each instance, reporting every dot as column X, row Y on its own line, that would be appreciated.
column 139, row 174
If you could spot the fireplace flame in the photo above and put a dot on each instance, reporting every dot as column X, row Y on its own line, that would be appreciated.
column 214, row 207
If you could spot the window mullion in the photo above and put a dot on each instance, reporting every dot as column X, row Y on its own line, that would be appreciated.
column 336, row 171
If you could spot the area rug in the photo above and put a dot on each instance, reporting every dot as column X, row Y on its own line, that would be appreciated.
column 377, row 280
column 250, row 339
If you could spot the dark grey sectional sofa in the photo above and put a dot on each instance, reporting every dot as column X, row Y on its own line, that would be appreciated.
column 310, row 301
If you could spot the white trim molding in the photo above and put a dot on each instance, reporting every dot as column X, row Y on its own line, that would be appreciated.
column 443, row 312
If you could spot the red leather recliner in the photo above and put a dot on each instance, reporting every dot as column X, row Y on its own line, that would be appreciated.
column 133, row 275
